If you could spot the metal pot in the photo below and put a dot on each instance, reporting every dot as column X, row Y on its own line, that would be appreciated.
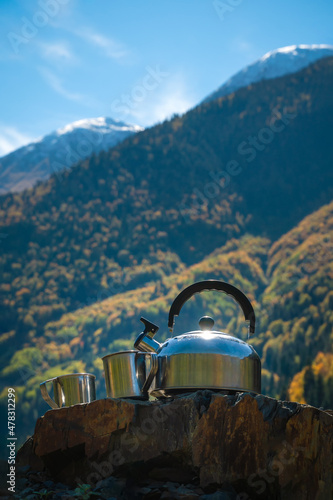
column 129, row 374
column 206, row 358
column 70, row 389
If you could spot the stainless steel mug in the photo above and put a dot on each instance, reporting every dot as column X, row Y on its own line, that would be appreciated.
column 129, row 374
column 70, row 389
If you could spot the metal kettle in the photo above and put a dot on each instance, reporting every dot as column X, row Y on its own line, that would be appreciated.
column 203, row 359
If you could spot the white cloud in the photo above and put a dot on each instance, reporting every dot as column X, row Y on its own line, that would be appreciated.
column 244, row 47
column 56, row 84
column 58, row 51
column 171, row 96
column 11, row 138
column 173, row 100
column 110, row 47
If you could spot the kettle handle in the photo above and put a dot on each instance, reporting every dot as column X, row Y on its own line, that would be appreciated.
column 202, row 286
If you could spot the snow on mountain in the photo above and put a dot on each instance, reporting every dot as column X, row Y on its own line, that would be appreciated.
column 64, row 147
column 276, row 63
column 61, row 149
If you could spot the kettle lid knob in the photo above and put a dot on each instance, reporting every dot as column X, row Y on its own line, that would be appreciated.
column 206, row 323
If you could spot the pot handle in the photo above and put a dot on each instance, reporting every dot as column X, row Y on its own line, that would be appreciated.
column 202, row 286
column 152, row 372
column 46, row 395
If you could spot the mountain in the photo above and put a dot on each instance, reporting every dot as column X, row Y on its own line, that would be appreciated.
column 65, row 147
column 170, row 194
column 59, row 150
column 276, row 63
column 236, row 189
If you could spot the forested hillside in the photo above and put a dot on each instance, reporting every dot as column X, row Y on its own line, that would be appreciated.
column 297, row 311
column 77, row 341
column 289, row 283
column 220, row 192
column 161, row 196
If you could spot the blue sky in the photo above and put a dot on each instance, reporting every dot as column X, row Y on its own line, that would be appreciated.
column 138, row 61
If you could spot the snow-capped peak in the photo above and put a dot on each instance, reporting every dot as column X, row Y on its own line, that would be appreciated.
column 59, row 150
column 100, row 124
column 279, row 62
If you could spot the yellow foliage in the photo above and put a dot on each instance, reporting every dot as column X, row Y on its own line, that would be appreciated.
column 22, row 291
column 296, row 388
column 322, row 365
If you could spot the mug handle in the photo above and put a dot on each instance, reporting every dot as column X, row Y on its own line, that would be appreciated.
column 46, row 395
column 152, row 372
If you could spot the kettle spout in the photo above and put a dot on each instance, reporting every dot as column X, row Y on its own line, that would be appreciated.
column 145, row 341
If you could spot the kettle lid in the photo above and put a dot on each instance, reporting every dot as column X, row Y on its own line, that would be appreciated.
column 206, row 323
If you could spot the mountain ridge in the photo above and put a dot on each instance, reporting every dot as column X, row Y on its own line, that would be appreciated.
column 59, row 150
column 90, row 251
column 70, row 237
column 273, row 64
column 36, row 161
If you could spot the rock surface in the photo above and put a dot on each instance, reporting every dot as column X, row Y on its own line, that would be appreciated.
column 201, row 445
